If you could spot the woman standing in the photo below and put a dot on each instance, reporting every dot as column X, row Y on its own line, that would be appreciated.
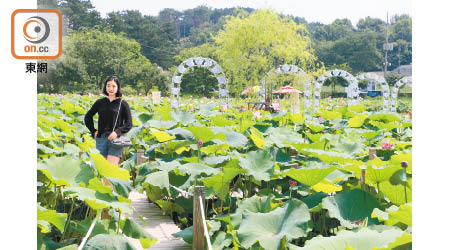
column 107, row 109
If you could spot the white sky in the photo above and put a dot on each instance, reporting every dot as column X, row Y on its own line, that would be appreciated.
column 324, row 11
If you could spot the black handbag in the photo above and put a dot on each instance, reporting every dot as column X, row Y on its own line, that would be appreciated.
column 122, row 140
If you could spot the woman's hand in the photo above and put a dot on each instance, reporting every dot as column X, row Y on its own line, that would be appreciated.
column 112, row 136
column 95, row 134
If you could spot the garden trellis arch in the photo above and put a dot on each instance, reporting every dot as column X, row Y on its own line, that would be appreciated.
column 208, row 63
column 394, row 93
column 352, row 89
column 294, row 70
column 384, row 87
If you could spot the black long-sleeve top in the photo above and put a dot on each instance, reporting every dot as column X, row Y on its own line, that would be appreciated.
column 107, row 113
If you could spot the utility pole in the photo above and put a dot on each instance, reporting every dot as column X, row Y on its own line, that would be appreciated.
column 386, row 46
column 398, row 55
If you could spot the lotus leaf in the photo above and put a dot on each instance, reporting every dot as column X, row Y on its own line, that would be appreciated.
column 396, row 193
column 362, row 239
column 107, row 169
column 205, row 134
column 350, row 207
column 97, row 200
column 268, row 229
column 259, row 164
column 65, row 171
column 310, row 176
column 282, row 136
column 183, row 117
column 162, row 136
column 108, row 241
column 357, row 121
column 220, row 183
column 254, row 204
column 195, row 169
column 51, row 216
column 257, row 138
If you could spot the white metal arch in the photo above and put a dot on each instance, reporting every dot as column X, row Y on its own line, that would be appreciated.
column 394, row 93
column 208, row 63
column 384, row 87
column 352, row 89
column 295, row 70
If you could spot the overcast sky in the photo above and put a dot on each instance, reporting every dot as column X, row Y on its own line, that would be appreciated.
column 324, row 11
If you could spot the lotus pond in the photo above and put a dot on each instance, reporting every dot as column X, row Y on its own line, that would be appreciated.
column 272, row 180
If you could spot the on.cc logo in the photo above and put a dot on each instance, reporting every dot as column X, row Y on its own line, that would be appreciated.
column 39, row 26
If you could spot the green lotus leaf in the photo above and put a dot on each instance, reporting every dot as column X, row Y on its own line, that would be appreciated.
column 362, row 239
column 71, row 149
column 357, row 121
column 108, row 241
column 402, row 242
column 220, row 183
column 350, row 147
column 396, row 160
column 158, row 179
column 64, row 127
column 206, row 134
column 206, row 110
column 357, row 108
column 183, row 117
column 144, row 117
column 194, row 169
column 244, row 124
column 403, row 214
column 51, row 216
column 268, row 229
column 120, row 186
column 378, row 171
column 107, row 169
column 64, row 171
column 310, row 176
column 282, row 136
column 163, row 111
column 235, row 139
column 385, row 117
column 133, row 230
column 70, row 108
column 45, row 134
column 97, row 200
column 314, row 137
column 259, row 164
column 182, row 132
column 257, row 138
column 162, row 136
column 314, row 200
column 215, row 149
column 160, row 124
column 385, row 126
column 221, row 240
column 314, row 126
column 350, row 207
column 98, row 186
column 87, row 145
column 396, row 193
column 169, row 207
column 329, row 115
column 338, row 175
column 330, row 156
column 214, row 160
column 46, row 150
column 69, row 247
column 186, row 234
column 254, row 204
column 301, row 148
column 296, row 118
column 222, row 121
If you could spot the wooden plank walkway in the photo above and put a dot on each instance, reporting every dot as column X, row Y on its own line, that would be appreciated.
column 160, row 226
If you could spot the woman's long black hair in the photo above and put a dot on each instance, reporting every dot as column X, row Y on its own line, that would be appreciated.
column 116, row 80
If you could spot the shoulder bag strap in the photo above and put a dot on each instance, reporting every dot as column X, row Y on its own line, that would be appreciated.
column 118, row 112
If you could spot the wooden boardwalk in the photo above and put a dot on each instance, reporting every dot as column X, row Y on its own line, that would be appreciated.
column 160, row 226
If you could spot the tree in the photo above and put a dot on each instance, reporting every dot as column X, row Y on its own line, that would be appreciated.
column 369, row 23
column 80, row 13
column 250, row 46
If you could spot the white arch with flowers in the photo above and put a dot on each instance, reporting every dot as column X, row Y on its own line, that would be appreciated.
column 384, row 87
column 294, row 70
column 208, row 63
column 394, row 93
column 352, row 89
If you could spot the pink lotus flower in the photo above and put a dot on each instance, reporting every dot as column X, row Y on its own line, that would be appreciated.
column 386, row 145
column 224, row 107
column 321, row 119
column 329, row 98
column 343, row 103
column 191, row 108
column 257, row 114
column 200, row 142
